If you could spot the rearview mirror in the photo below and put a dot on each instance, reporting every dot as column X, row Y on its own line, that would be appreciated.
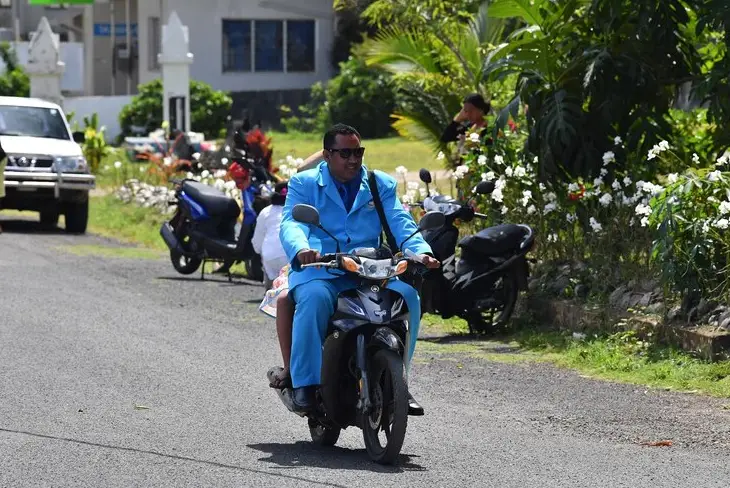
column 432, row 220
column 79, row 137
column 425, row 175
column 484, row 187
column 305, row 214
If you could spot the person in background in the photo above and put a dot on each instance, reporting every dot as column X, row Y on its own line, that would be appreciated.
column 472, row 114
column 266, row 240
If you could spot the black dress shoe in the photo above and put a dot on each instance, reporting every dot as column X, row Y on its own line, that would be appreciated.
column 303, row 398
column 414, row 408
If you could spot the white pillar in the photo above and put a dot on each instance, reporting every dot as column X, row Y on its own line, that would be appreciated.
column 175, row 61
column 45, row 67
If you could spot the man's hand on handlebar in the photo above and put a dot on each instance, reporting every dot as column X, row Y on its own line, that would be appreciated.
column 429, row 261
column 308, row 256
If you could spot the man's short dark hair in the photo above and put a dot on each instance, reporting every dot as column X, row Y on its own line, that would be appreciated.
column 338, row 129
column 478, row 101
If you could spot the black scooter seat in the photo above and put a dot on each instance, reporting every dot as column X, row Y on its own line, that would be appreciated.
column 495, row 241
column 214, row 201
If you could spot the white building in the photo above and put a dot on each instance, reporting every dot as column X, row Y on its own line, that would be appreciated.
column 265, row 52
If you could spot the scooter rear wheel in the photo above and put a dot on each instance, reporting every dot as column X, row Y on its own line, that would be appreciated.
column 493, row 318
column 185, row 264
column 389, row 415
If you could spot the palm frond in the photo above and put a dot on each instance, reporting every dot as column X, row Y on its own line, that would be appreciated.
column 400, row 51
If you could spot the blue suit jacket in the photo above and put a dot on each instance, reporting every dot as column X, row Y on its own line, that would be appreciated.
column 359, row 228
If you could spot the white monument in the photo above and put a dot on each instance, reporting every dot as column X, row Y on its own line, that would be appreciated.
column 175, row 61
column 45, row 68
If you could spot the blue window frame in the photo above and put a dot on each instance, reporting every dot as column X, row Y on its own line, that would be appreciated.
column 236, row 45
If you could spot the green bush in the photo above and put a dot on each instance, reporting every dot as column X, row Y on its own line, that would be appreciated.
column 14, row 82
column 359, row 96
column 210, row 109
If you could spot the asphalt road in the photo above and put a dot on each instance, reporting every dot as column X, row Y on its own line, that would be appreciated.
column 118, row 372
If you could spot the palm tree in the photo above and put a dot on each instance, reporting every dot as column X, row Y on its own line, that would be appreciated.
column 435, row 66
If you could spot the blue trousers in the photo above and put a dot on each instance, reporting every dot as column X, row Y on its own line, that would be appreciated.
column 315, row 304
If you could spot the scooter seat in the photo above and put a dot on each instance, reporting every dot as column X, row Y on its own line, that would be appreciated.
column 214, row 201
column 495, row 241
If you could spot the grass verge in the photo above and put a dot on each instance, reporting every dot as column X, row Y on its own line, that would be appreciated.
column 109, row 217
column 620, row 357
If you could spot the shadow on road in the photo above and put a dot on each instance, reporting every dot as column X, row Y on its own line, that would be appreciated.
column 221, row 280
column 303, row 453
column 173, row 457
column 23, row 226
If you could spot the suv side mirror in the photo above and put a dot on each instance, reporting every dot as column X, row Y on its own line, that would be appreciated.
column 79, row 137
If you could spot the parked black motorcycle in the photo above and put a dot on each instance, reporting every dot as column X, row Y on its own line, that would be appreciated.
column 483, row 283
column 204, row 225
column 363, row 374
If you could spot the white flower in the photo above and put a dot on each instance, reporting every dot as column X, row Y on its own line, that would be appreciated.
column 724, row 208
column 531, row 210
column 570, row 217
column 652, row 189
column 722, row 223
column 229, row 185
column 595, row 225
column 706, row 226
column 616, row 185
column 440, row 156
column 724, row 159
column 714, row 176
column 541, row 186
column 117, row 164
column 605, row 199
column 220, row 173
column 520, row 172
column 549, row 207
column 672, row 178
column 498, row 159
column 141, row 169
column 205, row 174
column 644, row 221
column 482, row 160
column 401, row 170
column 412, row 185
column 604, row 172
column 526, row 195
column 488, row 176
column 573, row 187
column 474, row 137
column 627, row 181
column 508, row 171
column 459, row 172
column 598, row 182
column 617, row 140
column 642, row 209
column 189, row 175
column 550, row 196
column 552, row 238
column 609, row 156
column 695, row 158
column 712, row 199
column 504, row 210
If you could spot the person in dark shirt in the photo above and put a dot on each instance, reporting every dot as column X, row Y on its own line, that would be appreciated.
column 472, row 114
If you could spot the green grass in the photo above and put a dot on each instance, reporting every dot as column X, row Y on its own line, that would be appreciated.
column 620, row 357
column 383, row 154
column 109, row 217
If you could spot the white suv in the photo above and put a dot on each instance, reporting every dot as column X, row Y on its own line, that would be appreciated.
column 46, row 170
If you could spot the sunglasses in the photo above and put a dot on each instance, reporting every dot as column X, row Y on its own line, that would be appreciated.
column 346, row 153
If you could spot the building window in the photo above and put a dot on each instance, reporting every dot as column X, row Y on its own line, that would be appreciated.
column 299, row 45
column 236, row 45
column 269, row 45
column 6, row 3
column 154, row 43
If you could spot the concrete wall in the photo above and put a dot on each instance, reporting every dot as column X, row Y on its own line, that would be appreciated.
column 107, row 108
column 72, row 53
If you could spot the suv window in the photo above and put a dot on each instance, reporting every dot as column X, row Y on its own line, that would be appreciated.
column 32, row 122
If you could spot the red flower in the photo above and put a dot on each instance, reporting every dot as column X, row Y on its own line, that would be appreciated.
column 578, row 194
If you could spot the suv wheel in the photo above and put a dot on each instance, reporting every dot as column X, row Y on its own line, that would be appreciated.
column 77, row 216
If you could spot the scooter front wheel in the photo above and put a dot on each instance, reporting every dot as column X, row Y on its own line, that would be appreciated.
column 185, row 264
column 384, row 429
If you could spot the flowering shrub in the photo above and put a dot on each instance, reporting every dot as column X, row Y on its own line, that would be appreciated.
column 691, row 217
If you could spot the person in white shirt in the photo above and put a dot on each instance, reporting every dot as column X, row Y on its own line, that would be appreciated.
column 266, row 236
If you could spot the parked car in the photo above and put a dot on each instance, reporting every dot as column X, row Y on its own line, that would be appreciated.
column 46, row 169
